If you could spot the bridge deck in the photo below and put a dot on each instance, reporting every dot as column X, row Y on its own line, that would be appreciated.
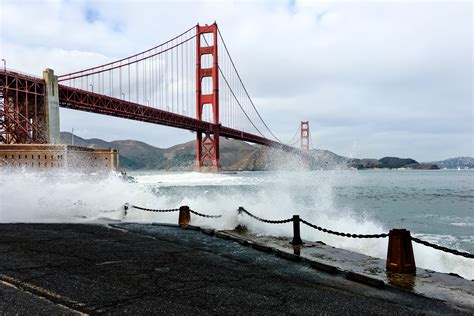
column 82, row 100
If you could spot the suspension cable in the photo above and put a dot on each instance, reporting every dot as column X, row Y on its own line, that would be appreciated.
column 232, row 92
column 245, row 89
column 135, row 55
column 293, row 139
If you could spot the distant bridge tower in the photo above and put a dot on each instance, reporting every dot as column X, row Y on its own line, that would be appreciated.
column 305, row 137
column 207, row 145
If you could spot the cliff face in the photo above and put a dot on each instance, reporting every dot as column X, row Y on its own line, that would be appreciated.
column 237, row 155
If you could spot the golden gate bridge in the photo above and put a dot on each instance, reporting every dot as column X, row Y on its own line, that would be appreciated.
column 189, row 82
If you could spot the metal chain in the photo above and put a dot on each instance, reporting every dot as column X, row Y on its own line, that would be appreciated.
column 324, row 230
column 452, row 251
column 342, row 234
column 157, row 211
column 204, row 215
column 241, row 209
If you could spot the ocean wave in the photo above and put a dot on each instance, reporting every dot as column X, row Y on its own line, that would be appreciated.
column 74, row 197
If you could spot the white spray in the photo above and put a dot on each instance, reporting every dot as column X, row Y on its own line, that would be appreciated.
column 74, row 197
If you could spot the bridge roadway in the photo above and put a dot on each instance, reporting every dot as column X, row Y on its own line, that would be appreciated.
column 157, row 269
column 82, row 100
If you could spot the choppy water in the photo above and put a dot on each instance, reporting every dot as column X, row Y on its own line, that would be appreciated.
column 437, row 206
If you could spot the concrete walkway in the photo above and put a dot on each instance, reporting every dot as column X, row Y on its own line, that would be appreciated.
column 159, row 269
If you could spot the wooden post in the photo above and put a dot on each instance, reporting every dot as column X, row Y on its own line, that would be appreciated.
column 400, row 257
column 184, row 216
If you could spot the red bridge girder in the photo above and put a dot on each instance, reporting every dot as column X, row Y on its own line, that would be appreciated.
column 82, row 100
column 22, row 109
column 32, row 88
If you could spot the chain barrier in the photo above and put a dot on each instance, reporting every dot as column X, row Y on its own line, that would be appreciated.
column 174, row 210
column 324, row 230
column 342, row 234
column 204, row 215
column 154, row 210
column 437, row 247
column 241, row 209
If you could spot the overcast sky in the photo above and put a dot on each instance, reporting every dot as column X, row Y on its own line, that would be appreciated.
column 373, row 78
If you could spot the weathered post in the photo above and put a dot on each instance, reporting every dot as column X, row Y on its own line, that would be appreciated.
column 400, row 257
column 184, row 216
column 296, row 231
column 126, row 206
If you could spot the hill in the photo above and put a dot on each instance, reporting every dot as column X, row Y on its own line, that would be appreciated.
column 455, row 163
column 136, row 155
column 238, row 155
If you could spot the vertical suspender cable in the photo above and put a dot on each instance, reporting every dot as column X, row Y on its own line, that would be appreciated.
column 186, row 75
column 166, row 82
column 160, row 93
column 129, row 93
column 182, row 80
column 150, row 66
column 172, row 88
column 144, row 81
column 136, row 82
column 112, row 87
column 177, row 80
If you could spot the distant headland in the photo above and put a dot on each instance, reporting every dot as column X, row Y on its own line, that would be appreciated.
column 237, row 155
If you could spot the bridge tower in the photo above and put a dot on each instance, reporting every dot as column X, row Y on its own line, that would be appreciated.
column 207, row 142
column 305, row 137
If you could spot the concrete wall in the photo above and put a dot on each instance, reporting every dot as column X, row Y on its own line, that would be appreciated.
column 52, row 107
column 66, row 157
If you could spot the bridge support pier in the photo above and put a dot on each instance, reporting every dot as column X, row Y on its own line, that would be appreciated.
column 52, row 133
column 207, row 149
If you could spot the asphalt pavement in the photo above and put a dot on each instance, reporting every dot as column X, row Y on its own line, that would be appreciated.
column 143, row 268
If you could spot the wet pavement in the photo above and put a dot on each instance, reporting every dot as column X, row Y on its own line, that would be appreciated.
column 443, row 286
column 145, row 268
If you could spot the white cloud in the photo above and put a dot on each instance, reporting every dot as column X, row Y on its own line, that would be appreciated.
column 393, row 77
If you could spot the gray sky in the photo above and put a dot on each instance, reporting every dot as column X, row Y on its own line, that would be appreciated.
column 373, row 78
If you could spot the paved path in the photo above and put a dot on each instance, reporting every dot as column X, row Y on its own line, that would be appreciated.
column 139, row 268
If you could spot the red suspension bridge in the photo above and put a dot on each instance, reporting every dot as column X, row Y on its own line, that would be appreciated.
column 189, row 82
